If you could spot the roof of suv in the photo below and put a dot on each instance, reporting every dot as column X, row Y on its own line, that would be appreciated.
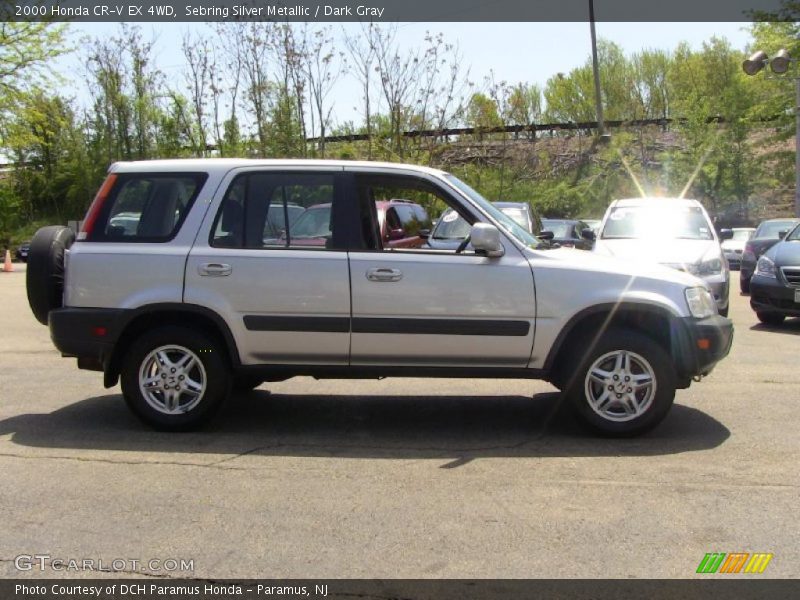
column 645, row 201
column 222, row 165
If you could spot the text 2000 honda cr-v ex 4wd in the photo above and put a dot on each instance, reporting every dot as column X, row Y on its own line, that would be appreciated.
column 191, row 278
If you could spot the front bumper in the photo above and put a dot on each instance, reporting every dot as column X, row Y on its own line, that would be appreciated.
column 771, row 295
column 88, row 334
column 720, row 288
column 699, row 344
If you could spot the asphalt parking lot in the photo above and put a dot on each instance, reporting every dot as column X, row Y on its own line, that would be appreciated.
column 398, row 478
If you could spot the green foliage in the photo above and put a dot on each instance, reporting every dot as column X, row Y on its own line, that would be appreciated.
column 25, row 49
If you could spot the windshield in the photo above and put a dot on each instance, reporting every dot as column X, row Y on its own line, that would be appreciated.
column 771, row 229
column 507, row 223
column 519, row 215
column 657, row 222
column 742, row 235
column 560, row 229
column 794, row 235
column 315, row 222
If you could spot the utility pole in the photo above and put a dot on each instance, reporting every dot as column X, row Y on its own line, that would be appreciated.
column 598, row 103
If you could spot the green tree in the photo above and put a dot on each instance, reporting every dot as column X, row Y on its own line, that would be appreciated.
column 482, row 113
column 25, row 50
column 54, row 176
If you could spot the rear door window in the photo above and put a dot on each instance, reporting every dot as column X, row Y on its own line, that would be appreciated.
column 147, row 207
column 277, row 210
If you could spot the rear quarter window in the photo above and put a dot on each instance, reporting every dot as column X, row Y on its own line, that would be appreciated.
column 147, row 207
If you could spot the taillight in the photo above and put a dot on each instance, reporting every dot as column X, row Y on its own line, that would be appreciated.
column 96, row 207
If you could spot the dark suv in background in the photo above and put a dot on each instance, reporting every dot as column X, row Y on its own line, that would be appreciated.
column 767, row 234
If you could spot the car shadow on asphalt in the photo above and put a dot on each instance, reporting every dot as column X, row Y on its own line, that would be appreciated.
column 788, row 327
column 461, row 428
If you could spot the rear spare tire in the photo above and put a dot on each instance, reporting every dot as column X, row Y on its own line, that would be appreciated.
column 45, row 274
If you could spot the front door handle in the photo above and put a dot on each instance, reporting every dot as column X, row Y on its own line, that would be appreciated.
column 214, row 270
column 384, row 274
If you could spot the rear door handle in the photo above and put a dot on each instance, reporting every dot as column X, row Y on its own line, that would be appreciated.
column 214, row 270
column 384, row 274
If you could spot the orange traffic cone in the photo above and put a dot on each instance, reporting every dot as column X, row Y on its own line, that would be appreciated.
column 8, row 265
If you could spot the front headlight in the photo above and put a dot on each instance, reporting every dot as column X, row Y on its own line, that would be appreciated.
column 765, row 267
column 712, row 264
column 701, row 302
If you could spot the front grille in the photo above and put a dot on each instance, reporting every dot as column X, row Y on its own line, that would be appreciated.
column 791, row 275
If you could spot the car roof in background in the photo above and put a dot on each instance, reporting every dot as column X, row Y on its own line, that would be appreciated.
column 782, row 220
column 625, row 202
column 503, row 204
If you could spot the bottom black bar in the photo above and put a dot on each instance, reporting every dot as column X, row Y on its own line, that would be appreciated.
column 151, row 588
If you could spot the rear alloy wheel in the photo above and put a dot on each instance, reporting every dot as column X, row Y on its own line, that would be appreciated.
column 625, row 385
column 175, row 379
column 770, row 318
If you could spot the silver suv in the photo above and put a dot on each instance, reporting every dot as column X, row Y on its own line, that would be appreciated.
column 194, row 295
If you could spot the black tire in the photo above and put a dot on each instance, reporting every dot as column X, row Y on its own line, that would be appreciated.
column 744, row 285
column 44, row 279
column 770, row 318
column 642, row 347
column 215, row 369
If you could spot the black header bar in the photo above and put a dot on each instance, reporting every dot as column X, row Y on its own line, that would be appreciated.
column 143, row 11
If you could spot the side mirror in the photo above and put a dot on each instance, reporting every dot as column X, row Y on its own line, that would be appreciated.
column 588, row 235
column 486, row 238
column 424, row 233
column 546, row 235
column 783, row 234
column 726, row 234
column 396, row 234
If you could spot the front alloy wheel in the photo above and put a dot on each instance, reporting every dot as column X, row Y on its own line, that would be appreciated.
column 620, row 386
column 624, row 384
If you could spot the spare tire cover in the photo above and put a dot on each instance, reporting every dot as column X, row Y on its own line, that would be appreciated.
column 45, row 275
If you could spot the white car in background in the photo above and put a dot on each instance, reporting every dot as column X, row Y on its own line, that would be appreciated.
column 734, row 247
column 673, row 232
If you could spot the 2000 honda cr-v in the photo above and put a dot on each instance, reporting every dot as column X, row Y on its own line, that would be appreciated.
column 194, row 296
